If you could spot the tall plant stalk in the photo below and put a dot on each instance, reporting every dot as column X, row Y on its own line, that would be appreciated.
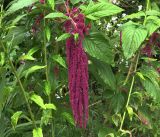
column 21, row 85
column 47, row 70
column 133, row 78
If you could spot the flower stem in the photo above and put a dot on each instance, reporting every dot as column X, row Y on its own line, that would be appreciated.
column 130, row 91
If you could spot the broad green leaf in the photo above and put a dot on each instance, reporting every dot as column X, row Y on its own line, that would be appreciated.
column 48, row 33
column 150, row 72
column 59, row 60
column 132, row 37
column 97, row 46
column 51, row 3
column 150, row 83
column 130, row 112
column 20, row 4
column 63, row 37
column 50, row 106
column 153, row 13
column 56, row 15
column 32, row 69
column 15, row 117
column 38, row 100
column 104, row 71
column 37, row 132
column 101, row 9
column 47, row 88
column 137, row 15
column 117, row 102
column 152, row 24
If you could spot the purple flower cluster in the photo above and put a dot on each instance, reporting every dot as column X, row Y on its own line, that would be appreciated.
column 77, row 67
column 153, row 41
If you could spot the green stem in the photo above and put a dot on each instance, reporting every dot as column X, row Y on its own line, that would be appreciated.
column 47, row 70
column 45, row 51
column 133, row 78
column 130, row 91
column 21, row 86
column 1, row 17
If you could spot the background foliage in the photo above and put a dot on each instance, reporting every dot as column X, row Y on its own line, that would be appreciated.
column 124, row 84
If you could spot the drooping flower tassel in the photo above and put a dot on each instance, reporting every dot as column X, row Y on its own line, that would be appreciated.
column 77, row 67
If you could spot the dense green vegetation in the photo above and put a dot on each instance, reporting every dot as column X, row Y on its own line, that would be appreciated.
column 122, row 43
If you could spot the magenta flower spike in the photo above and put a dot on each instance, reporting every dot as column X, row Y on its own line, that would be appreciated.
column 77, row 67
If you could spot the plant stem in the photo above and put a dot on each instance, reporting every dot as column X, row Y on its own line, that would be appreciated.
column 21, row 86
column 1, row 17
column 133, row 78
column 47, row 69
column 130, row 91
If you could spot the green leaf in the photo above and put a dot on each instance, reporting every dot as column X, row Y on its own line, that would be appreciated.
column 103, row 1
column 145, row 117
column 132, row 37
column 51, row 3
column 48, row 33
column 152, row 24
column 59, row 60
column 56, row 15
column 2, row 58
column 97, row 46
column 117, row 102
column 47, row 88
column 17, row 19
column 37, row 132
column 32, row 69
column 106, row 132
column 137, row 15
column 75, row 1
column 153, row 13
column 15, row 117
column 150, row 83
column 67, row 116
column 38, row 100
column 63, row 37
column 20, row 4
column 46, row 116
column 104, row 71
column 101, row 9
column 16, row 35
column 140, row 75
column 76, row 36
column 130, row 112
column 116, row 118
column 155, row 6
column 29, row 56
column 50, row 106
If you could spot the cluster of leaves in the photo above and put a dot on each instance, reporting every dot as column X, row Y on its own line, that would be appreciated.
column 124, row 85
